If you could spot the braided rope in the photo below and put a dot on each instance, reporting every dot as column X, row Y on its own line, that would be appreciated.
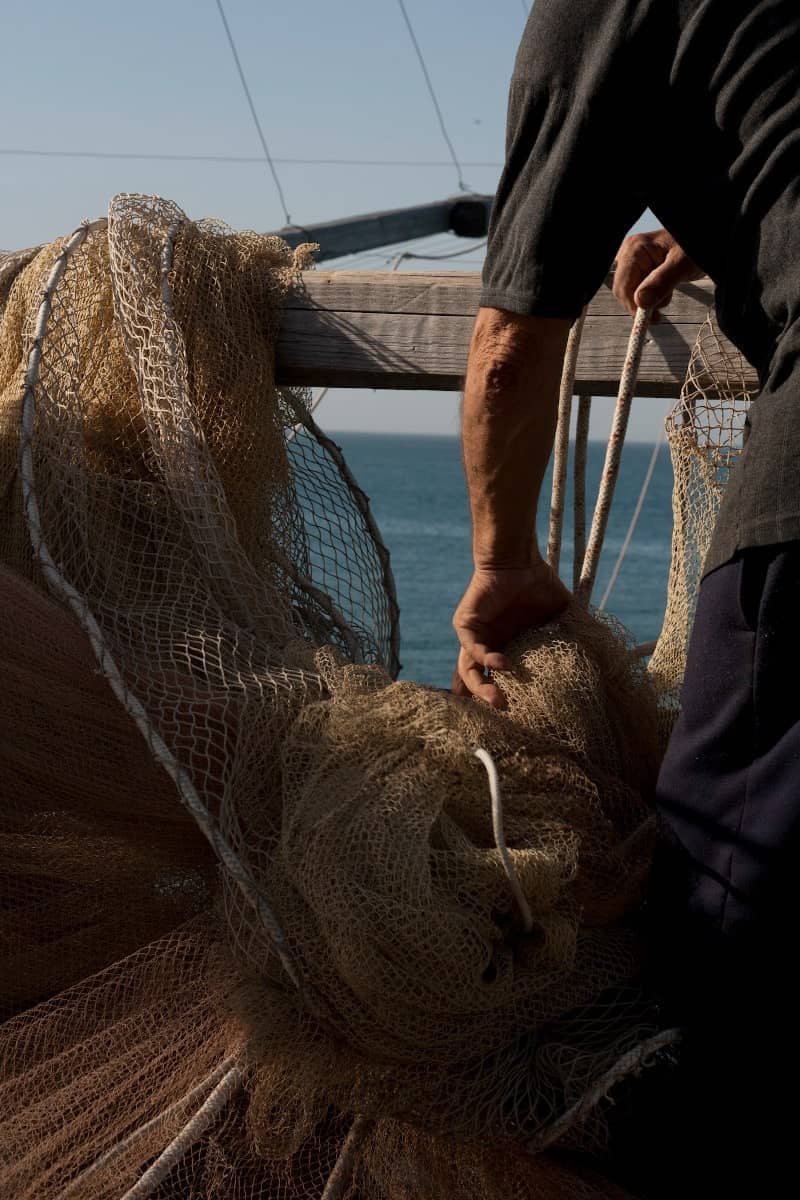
column 629, row 1064
column 191, row 1133
column 342, row 1173
column 579, row 502
column 119, row 1149
column 561, row 448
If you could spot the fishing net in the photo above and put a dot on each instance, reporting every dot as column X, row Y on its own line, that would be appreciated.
column 705, row 433
column 269, row 927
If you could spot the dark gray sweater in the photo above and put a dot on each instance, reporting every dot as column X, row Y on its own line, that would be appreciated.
column 690, row 108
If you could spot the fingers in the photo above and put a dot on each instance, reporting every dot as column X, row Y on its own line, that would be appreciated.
column 458, row 687
column 482, row 656
column 649, row 267
column 470, row 680
column 477, row 685
column 499, row 604
column 638, row 256
column 656, row 315
column 657, row 288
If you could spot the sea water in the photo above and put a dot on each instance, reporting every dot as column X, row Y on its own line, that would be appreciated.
column 418, row 496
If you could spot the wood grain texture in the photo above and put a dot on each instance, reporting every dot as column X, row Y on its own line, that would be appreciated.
column 411, row 330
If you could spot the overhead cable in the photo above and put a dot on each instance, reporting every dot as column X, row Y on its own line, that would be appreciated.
column 256, row 122
column 434, row 257
column 241, row 158
column 462, row 185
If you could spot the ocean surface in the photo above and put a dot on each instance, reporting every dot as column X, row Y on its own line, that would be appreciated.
column 418, row 496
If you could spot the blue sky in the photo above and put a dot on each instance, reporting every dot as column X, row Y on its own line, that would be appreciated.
column 329, row 80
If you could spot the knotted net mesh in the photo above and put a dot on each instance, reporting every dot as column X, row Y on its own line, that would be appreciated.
column 705, row 434
column 259, row 929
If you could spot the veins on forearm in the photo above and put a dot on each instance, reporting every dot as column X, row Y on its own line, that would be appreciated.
column 510, row 403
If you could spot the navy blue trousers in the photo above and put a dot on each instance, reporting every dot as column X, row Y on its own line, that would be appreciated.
column 725, row 895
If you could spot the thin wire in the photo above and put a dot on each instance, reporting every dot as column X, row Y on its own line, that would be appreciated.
column 313, row 406
column 242, row 158
column 473, row 262
column 438, row 243
column 462, row 185
column 637, row 512
column 437, row 257
column 345, row 261
column 253, row 112
column 394, row 259
column 431, row 244
column 616, row 443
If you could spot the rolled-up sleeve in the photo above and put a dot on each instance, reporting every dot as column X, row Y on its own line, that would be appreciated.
column 574, row 179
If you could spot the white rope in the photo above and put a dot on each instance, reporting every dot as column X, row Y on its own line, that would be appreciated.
column 561, row 449
column 500, row 838
column 616, row 442
column 405, row 254
column 313, row 406
column 579, row 497
column 119, row 1149
column 631, row 1063
column 637, row 512
column 342, row 1173
column 62, row 587
column 191, row 1133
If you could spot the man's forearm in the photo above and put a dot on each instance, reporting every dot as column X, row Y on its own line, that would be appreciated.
column 509, row 420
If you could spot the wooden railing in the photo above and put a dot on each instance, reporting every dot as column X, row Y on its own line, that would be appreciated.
column 411, row 330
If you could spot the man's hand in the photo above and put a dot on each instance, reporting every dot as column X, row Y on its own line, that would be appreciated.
column 497, row 605
column 649, row 268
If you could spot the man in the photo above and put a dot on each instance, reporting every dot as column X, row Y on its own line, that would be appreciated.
column 690, row 107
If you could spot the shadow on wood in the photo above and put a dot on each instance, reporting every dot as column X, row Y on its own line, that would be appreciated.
column 412, row 329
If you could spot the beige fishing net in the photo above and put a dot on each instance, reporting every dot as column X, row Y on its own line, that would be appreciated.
column 269, row 927
column 705, row 432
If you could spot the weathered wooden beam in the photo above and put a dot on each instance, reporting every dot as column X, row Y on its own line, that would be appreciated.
column 411, row 330
column 466, row 216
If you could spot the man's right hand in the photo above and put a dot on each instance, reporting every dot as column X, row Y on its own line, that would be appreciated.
column 649, row 268
column 499, row 604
